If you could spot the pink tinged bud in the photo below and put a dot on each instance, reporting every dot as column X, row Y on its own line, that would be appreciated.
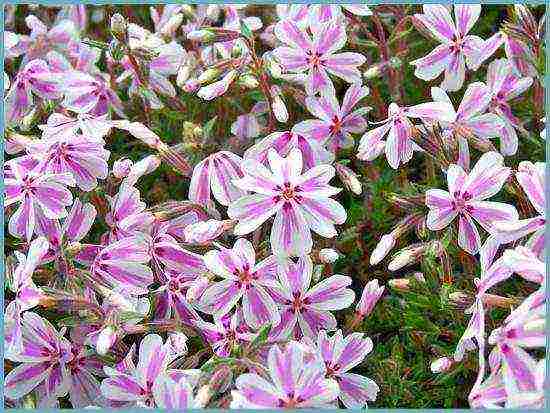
column 194, row 293
column 105, row 340
column 191, row 86
column 204, row 232
column 203, row 396
column 349, row 178
column 406, row 257
column 221, row 380
column 121, row 167
column 441, row 365
column 387, row 242
column 460, row 298
column 279, row 109
column 178, row 343
column 369, row 298
column 119, row 27
column 328, row 255
column 201, row 35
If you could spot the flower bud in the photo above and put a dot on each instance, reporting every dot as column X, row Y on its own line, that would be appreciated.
column 441, row 365
column 105, row 340
column 184, row 72
column 191, row 86
column 248, row 81
column 384, row 246
column 460, row 298
column 348, row 178
column 119, row 27
column 204, row 232
column 403, row 284
column 372, row 72
column 121, row 167
column 170, row 27
column 208, row 75
column 370, row 296
column 279, row 109
column 221, row 380
column 202, row 35
column 406, row 257
column 204, row 394
column 178, row 343
column 328, row 255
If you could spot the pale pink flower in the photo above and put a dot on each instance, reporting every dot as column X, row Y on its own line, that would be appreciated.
column 335, row 124
column 458, row 49
column 40, row 195
column 305, row 308
column 243, row 279
column 531, row 177
column 321, row 13
column 214, row 175
column 300, row 202
column 317, row 55
column 399, row 129
column 505, row 86
column 465, row 199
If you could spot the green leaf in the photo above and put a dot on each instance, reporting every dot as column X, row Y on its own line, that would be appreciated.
column 209, row 127
column 261, row 338
column 245, row 31
column 216, row 361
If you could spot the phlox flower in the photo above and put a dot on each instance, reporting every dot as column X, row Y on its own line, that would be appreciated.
column 127, row 215
column 40, row 196
column 226, row 333
column 244, row 280
column 399, row 143
column 320, row 13
column 531, row 177
column 458, row 49
column 213, row 176
column 505, row 85
column 465, row 199
column 317, row 55
column 300, row 202
column 144, row 385
column 340, row 355
column 59, row 126
column 471, row 120
column 335, row 124
column 306, row 309
column 84, row 158
column 27, row 294
column 44, row 357
column 370, row 296
column 34, row 78
column 292, row 382
column 122, row 264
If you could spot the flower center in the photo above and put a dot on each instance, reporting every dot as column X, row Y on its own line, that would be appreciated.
column 460, row 202
column 336, row 125
column 314, row 59
column 287, row 192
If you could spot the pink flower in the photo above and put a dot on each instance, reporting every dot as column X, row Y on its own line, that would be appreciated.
column 505, row 85
column 313, row 153
column 122, row 265
column 321, row 13
column 84, row 158
column 43, row 359
column 226, row 333
column 40, row 195
column 292, row 383
column 399, row 130
column 458, row 49
column 214, row 175
column 370, row 296
column 466, row 200
column 340, row 355
column 305, row 309
column 300, row 202
column 317, row 55
column 35, row 78
column 242, row 279
column 336, row 123
column 127, row 216
column 531, row 177
column 471, row 119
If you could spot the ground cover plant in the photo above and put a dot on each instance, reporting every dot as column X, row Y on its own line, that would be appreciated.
column 249, row 206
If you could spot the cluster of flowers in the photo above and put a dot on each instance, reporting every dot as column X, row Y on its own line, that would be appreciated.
column 261, row 311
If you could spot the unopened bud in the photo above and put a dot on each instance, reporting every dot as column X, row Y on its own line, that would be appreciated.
column 203, row 396
column 384, row 246
column 121, row 167
column 460, row 298
column 406, row 257
column 183, row 75
column 248, row 81
column 279, row 109
column 119, row 27
column 172, row 25
column 105, row 340
column 328, row 255
column 349, row 178
column 203, row 35
column 191, row 86
column 404, row 284
column 370, row 296
column 208, row 75
column 441, row 365
column 372, row 72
